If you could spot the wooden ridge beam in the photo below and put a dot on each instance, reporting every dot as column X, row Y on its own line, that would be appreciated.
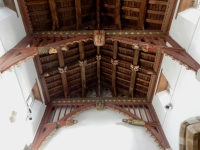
column 98, row 57
column 98, row 13
column 63, row 73
column 78, row 14
column 143, row 9
column 133, row 73
column 117, row 13
column 82, row 64
column 54, row 15
column 114, row 68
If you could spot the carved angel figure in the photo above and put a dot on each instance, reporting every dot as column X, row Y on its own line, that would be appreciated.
column 52, row 50
column 134, row 122
column 99, row 104
column 71, row 122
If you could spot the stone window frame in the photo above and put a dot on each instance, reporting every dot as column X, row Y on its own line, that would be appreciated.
column 188, row 136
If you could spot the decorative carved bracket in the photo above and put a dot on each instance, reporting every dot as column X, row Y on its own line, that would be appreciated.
column 82, row 63
column 98, row 57
column 134, row 68
column 114, row 62
column 62, row 70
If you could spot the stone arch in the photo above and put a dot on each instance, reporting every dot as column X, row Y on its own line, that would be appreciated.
column 188, row 136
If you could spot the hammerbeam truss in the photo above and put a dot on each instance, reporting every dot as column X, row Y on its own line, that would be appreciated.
column 61, row 111
column 77, row 65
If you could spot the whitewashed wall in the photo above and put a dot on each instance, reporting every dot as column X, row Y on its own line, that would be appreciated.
column 185, row 99
column 15, row 87
column 101, row 130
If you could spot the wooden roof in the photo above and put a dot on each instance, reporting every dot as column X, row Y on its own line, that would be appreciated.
column 98, row 70
column 42, row 15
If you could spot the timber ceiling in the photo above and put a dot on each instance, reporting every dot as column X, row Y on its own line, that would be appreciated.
column 85, row 67
column 96, row 14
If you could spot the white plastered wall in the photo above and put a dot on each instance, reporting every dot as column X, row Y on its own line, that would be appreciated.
column 101, row 130
column 15, row 87
column 185, row 98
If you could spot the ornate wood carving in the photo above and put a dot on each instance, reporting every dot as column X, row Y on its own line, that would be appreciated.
column 99, row 38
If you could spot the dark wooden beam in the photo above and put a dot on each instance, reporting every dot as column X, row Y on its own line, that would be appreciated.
column 117, row 13
column 82, row 64
column 114, row 61
column 98, row 71
column 133, row 73
column 143, row 9
column 54, row 15
column 78, row 14
column 98, row 14
column 63, row 74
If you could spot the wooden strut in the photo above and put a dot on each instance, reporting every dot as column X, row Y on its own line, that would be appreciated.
column 117, row 13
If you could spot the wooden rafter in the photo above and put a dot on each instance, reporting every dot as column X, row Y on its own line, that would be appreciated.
column 133, row 73
column 117, row 13
column 98, row 71
column 82, row 64
column 143, row 9
column 114, row 68
column 78, row 14
column 63, row 74
column 98, row 14
column 55, row 20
